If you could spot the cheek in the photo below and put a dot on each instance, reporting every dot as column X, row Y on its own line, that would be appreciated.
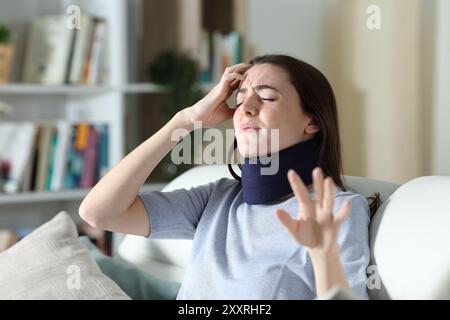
column 235, row 119
column 271, row 118
column 288, row 122
column 236, row 126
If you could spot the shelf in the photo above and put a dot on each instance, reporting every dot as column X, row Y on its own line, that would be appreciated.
column 143, row 88
column 64, row 195
column 38, row 89
column 33, row 89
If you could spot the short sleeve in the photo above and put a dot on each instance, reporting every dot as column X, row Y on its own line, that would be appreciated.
column 353, row 240
column 175, row 214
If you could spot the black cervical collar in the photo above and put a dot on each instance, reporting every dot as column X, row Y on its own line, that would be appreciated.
column 258, row 188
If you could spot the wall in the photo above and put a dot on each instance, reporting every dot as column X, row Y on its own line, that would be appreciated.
column 393, row 119
column 440, row 164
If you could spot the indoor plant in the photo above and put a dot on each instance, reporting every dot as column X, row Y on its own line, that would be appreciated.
column 6, row 53
column 180, row 74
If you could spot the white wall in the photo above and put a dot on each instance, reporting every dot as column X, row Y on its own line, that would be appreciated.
column 391, row 85
column 440, row 164
column 289, row 26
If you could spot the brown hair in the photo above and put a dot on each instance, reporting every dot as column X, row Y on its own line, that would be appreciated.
column 318, row 101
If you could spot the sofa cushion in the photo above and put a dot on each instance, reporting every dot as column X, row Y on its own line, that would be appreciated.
column 51, row 263
column 410, row 242
column 138, row 284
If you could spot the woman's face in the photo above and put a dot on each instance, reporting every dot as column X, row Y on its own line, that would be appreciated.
column 266, row 99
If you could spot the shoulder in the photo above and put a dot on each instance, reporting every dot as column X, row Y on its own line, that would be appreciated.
column 224, row 186
column 360, row 205
column 350, row 195
column 220, row 186
column 211, row 186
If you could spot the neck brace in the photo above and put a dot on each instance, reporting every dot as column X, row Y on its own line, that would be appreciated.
column 259, row 188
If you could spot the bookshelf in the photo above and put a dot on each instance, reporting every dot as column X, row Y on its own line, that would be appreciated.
column 107, row 102
column 35, row 89
column 58, row 196
column 122, row 100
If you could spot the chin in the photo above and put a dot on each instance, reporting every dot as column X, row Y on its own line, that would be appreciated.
column 246, row 152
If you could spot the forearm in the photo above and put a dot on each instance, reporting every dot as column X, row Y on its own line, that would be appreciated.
column 117, row 190
column 328, row 270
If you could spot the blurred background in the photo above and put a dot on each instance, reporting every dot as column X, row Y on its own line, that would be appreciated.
column 390, row 83
column 85, row 82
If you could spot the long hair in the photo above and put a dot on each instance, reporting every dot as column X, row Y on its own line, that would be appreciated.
column 318, row 101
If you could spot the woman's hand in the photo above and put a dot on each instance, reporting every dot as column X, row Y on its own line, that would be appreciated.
column 316, row 227
column 213, row 108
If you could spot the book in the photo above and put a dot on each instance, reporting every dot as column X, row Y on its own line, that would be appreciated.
column 48, row 50
column 224, row 51
column 77, row 156
column 70, row 167
column 56, row 54
column 235, row 47
column 70, row 57
column 98, row 44
column 61, row 152
column 44, row 150
column 90, row 160
column 16, row 140
column 81, row 49
column 31, row 181
column 51, row 158
column 93, row 53
column 217, row 62
column 103, row 149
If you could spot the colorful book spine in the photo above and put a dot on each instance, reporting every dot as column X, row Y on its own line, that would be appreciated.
column 90, row 160
column 103, row 164
column 51, row 159
column 69, row 177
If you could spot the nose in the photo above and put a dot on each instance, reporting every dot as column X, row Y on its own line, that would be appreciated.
column 250, row 105
column 249, row 110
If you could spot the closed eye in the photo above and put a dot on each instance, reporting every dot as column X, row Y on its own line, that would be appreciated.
column 261, row 99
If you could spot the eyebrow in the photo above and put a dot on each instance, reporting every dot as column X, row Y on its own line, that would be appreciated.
column 258, row 88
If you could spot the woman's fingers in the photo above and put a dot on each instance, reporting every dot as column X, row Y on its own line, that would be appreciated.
column 234, row 75
column 237, row 68
column 235, row 84
column 326, row 213
column 301, row 193
column 232, row 79
column 318, row 186
column 287, row 221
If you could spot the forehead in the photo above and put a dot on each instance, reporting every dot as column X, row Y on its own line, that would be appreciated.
column 266, row 74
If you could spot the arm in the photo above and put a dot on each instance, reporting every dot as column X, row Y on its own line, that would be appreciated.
column 317, row 229
column 113, row 203
column 328, row 270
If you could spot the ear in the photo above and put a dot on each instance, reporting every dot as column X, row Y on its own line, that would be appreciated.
column 311, row 127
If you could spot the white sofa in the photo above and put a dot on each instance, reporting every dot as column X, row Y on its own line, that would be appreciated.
column 409, row 237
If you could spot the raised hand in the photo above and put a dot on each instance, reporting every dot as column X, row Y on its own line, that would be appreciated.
column 213, row 108
column 315, row 227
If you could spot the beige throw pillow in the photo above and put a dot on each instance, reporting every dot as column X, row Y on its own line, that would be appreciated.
column 51, row 263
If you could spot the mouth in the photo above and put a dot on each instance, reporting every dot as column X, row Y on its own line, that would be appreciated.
column 248, row 128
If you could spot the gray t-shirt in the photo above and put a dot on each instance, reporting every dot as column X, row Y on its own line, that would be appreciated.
column 242, row 251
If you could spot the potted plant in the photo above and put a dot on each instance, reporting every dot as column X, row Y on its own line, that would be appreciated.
column 6, row 53
column 180, row 73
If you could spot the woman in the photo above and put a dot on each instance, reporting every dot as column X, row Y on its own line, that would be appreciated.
column 241, row 249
